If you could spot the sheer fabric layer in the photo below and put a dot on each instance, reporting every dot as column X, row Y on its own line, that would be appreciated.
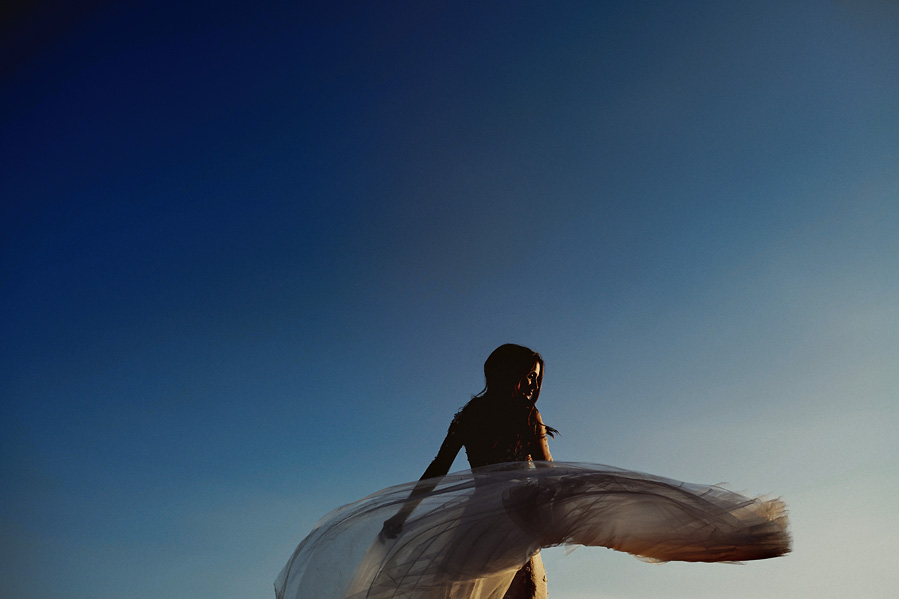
column 469, row 536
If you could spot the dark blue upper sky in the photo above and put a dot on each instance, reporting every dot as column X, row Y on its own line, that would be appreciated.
column 253, row 257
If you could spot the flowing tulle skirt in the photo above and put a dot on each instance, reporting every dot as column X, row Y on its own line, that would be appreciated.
column 472, row 533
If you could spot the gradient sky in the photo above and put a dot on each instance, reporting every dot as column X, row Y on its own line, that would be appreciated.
column 254, row 256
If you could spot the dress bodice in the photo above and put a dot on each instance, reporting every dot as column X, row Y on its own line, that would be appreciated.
column 493, row 434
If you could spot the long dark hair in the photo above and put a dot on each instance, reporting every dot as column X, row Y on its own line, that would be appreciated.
column 503, row 369
column 506, row 366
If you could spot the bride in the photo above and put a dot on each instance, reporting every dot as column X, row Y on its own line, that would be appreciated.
column 477, row 534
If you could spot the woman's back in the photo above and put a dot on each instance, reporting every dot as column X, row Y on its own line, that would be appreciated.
column 494, row 431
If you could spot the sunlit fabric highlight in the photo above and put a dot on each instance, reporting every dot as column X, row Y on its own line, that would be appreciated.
column 468, row 537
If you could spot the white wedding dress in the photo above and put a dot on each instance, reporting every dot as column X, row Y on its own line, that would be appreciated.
column 472, row 533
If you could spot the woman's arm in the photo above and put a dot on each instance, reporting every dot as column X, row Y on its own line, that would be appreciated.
column 438, row 468
column 542, row 450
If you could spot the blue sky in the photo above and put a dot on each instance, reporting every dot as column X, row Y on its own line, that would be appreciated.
column 253, row 259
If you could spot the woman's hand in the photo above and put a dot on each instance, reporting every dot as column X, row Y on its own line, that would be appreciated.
column 392, row 527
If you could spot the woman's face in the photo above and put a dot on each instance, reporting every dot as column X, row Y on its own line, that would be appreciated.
column 528, row 387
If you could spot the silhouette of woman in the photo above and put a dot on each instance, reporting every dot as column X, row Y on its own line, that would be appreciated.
column 476, row 534
column 499, row 425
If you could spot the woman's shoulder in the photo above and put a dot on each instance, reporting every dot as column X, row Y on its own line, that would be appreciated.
column 462, row 414
column 475, row 406
column 470, row 413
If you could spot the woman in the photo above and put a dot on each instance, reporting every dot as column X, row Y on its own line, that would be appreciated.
column 477, row 534
column 500, row 425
